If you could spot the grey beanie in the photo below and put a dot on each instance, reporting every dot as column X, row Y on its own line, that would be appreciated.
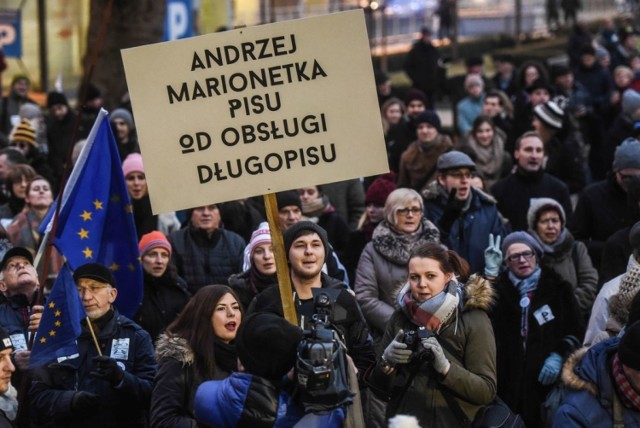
column 521, row 238
column 453, row 160
column 627, row 155
column 124, row 114
column 295, row 230
column 630, row 101
column 30, row 111
column 538, row 204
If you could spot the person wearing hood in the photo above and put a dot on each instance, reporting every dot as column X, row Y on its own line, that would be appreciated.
column 165, row 293
column 456, row 358
column 124, row 130
column 562, row 253
column 537, row 323
column 418, row 162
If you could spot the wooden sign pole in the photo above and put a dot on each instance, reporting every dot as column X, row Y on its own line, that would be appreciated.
column 282, row 269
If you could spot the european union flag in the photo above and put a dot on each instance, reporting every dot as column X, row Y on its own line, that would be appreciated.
column 95, row 224
column 60, row 324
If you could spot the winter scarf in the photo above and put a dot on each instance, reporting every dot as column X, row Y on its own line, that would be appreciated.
column 434, row 312
column 525, row 287
column 396, row 246
column 226, row 357
column 551, row 248
column 630, row 398
column 488, row 159
column 259, row 281
column 143, row 216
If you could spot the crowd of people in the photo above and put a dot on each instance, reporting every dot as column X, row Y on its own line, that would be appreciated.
column 498, row 259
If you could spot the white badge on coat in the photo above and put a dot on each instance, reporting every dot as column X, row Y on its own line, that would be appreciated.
column 543, row 315
column 120, row 349
column 19, row 342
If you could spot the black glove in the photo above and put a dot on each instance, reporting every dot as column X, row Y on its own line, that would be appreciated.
column 83, row 401
column 451, row 212
column 107, row 368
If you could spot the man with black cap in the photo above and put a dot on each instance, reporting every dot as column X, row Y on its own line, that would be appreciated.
column 6, row 370
column 603, row 384
column 536, row 322
column 255, row 395
column 464, row 214
column 306, row 250
column 109, row 386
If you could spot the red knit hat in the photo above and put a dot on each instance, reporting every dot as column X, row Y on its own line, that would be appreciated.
column 380, row 188
column 153, row 240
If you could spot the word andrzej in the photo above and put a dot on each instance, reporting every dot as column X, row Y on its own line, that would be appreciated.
column 247, row 51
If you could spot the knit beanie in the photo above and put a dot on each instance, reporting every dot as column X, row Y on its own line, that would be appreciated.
column 630, row 101
column 627, row 155
column 539, row 83
column 94, row 271
column 20, row 76
column 473, row 80
column 288, row 198
column 5, row 340
column 124, row 114
column 132, row 163
column 30, row 111
column 550, row 114
column 262, row 235
column 24, row 133
column 521, row 237
column 430, row 117
column 267, row 344
column 56, row 98
column 415, row 95
column 378, row 191
column 620, row 302
column 629, row 348
column 544, row 204
column 296, row 230
column 152, row 240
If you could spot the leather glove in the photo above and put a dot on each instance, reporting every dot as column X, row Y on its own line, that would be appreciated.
column 397, row 352
column 439, row 362
column 550, row 369
column 83, row 402
column 451, row 211
column 493, row 256
column 107, row 369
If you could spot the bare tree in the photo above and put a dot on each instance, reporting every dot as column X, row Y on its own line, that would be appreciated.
column 132, row 23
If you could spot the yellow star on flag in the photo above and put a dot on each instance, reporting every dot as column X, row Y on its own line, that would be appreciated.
column 84, row 234
column 52, row 333
column 87, row 253
column 129, row 209
column 57, row 313
column 97, row 204
column 57, row 323
column 86, row 215
column 114, row 266
column 43, row 340
column 52, row 305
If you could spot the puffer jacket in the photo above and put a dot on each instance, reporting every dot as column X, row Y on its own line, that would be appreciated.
column 472, row 376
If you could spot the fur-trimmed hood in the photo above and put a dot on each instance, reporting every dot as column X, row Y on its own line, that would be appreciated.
column 569, row 376
column 174, row 347
column 478, row 294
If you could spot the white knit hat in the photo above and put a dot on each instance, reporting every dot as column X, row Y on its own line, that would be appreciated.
column 262, row 235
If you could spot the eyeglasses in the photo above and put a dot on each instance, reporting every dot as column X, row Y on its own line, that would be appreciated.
column 627, row 177
column 460, row 175
column 406, row 211
column 528, row 255
column 93, row 288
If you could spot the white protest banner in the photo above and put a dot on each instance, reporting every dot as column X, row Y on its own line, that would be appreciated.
column 256, row 110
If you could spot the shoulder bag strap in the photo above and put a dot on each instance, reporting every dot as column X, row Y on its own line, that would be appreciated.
column 618, row 418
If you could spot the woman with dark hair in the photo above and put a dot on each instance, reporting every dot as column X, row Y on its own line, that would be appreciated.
column 15, row 184
column 449, row 372
column 197, row 346
column 23, row 231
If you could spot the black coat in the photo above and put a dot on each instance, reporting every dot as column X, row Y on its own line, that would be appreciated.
column 518, row 368
column 421, row 65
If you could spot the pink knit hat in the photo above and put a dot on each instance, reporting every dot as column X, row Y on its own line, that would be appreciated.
column 133, row 163
column 153, row 240
column 262, row 235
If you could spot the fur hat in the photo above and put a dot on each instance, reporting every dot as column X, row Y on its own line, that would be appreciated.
column 16, row 252
column 267, row 345
column 430, row 117
column 378, row 191
column 24, row 133
column 543, row 204
column 629, row 349
column 124, row 114
column 630, row 101
column 132, row 163
column 288, row 198
column 94, row 271
column 627, row 155
column 296, row 230
column 550, row 114
column 620, row 302
column 152, row 240
column 521, row 237
column 55, row 98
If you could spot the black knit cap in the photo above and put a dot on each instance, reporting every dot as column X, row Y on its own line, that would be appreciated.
column 95, row 271
column 296, row 230
column 430, row 117
column 55, row 98
column 16, row 252
column 5, row 340
column 288, row 198
column 629, row 349
column 266, row 345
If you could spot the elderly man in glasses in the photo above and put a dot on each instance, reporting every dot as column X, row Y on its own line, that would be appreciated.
column 464, row 214
column 536, row 322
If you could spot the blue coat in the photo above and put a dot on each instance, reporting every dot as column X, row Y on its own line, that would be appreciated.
column 581, row 407
column 469, row 235
column 125, row 405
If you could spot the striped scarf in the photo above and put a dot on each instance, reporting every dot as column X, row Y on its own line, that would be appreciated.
column 630, row 398
column 434, row 312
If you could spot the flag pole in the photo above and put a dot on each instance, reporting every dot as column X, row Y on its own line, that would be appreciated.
column 93, row 336
column 282, row 269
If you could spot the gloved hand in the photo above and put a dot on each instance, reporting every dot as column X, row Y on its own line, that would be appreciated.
column 397, row 352
column 83, row 401
column 493, row 256
column 439, row 362
column 451, row 212
column 550, row 369
column 107, row 369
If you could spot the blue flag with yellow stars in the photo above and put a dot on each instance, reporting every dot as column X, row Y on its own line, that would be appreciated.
column 60, row 324
column 96, row 224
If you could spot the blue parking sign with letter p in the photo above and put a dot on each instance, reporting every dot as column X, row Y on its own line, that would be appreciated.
column 178, row 22
column 11, row 32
